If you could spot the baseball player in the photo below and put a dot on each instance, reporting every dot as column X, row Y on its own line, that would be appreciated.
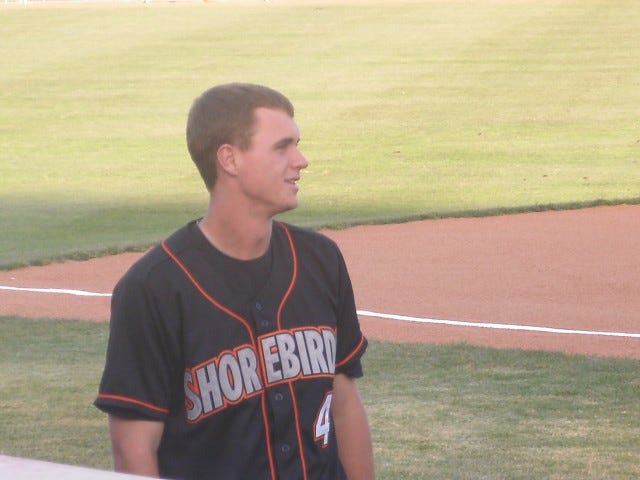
column 235, row 344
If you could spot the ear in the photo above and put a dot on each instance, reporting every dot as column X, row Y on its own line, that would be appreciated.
column 226, row 159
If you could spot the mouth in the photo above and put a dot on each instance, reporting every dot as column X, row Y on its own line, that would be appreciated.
column 293, row 181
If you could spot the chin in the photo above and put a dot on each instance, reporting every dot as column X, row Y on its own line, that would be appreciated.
column 287, row 207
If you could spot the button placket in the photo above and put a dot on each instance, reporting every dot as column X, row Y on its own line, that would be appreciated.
column 262, row 321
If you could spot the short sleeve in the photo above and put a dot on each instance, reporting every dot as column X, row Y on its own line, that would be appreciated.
column 140, row 366
column 351, row 342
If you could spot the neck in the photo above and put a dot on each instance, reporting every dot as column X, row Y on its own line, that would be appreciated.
column 236, row 233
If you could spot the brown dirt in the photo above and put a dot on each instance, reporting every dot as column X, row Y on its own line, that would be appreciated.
column 576, row 270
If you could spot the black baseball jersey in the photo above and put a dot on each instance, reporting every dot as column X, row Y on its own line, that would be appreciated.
column 236, row 358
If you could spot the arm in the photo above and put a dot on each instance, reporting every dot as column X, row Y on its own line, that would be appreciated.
column 352, row 429
column 135, row 445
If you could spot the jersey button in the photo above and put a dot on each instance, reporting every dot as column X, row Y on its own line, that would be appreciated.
column 258, row 306
column 278, row 396
column 285, row 448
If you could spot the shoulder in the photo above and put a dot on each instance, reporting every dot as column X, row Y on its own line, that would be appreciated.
column 315, row 250
column 309, row 238
column 156, row 263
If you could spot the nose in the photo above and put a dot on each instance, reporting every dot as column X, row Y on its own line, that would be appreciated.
column 300, row 161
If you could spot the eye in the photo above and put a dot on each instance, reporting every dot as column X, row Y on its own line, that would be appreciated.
column 284, row 145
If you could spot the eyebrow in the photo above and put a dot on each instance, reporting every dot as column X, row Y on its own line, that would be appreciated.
column 285, row 142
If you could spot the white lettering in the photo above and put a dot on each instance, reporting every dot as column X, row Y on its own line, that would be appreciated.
column 192, row 401
column 271, row 359
column 249, row 366
column 288, row 354
column 221, row 380
column 230, row 377
column 315, row 347
column 330, row 349
column 302, row 352
column 209, row 387
column 288, row 358
column 234, row 375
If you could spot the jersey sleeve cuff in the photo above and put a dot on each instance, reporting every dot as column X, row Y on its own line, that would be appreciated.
column 351, row 365
column 129, row 407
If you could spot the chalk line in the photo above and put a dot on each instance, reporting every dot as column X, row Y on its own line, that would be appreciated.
column 64, row 291
column 388, row 316
column 496, row 326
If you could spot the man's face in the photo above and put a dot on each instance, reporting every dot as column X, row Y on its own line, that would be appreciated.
column 270, row 168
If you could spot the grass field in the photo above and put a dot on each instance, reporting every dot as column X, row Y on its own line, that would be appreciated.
column 437, row 412
column 409, row 110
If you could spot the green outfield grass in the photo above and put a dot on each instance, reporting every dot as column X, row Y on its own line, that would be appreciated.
column 437, row 412
column 407, row 111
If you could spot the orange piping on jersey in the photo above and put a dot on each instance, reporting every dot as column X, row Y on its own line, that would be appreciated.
column 205, row 294
column 267, row 429
column 253, row 341
column 352, row 354
column 133, row 400
column 294, row 275
column 297, row 418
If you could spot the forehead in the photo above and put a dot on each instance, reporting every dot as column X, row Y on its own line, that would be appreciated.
column 274, row 123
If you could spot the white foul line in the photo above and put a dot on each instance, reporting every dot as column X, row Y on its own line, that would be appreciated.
column 390, row 316
column 496, row 326
column 79, row 293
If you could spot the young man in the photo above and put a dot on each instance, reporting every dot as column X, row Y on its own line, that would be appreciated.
column 235, row 344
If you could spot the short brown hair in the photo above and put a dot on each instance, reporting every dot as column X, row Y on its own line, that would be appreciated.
column 225, row 114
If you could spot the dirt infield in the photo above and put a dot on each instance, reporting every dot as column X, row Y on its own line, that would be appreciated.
column 577, row 272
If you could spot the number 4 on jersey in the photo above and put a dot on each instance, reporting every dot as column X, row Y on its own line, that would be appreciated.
column 323, row 421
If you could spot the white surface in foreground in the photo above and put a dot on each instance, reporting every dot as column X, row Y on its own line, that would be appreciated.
column 15, row 468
